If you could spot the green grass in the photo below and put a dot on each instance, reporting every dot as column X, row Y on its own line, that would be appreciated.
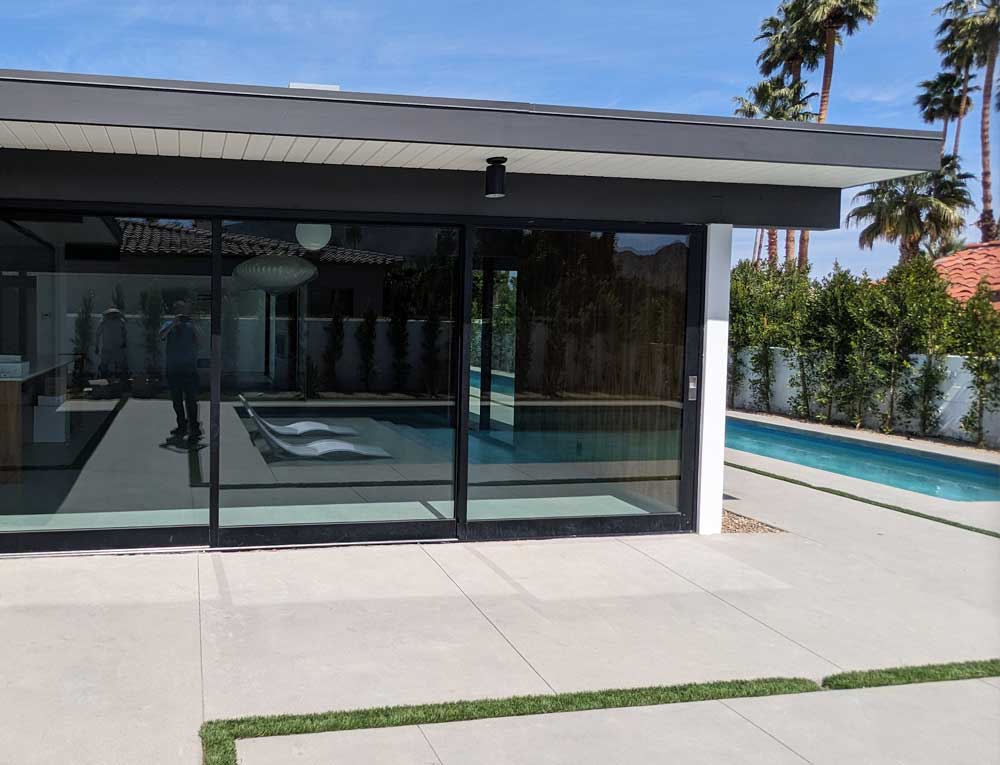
column 928, row 673
column 856, row 498
column 219, row 737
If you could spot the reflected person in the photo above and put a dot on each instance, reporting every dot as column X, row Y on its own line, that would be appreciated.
column 182, row 340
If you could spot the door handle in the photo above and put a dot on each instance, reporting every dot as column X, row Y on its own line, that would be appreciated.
column 693, row 388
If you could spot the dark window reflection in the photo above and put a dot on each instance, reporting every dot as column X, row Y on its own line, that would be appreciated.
column 337, row 368
column 577, row 356
column 104, row 325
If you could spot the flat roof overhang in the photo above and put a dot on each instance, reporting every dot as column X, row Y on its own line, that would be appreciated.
column 90, row 114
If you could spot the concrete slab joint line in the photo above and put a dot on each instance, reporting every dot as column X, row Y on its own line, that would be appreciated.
column 764, row 731
column 779, row 719
column 488, row 619
column 732, row 605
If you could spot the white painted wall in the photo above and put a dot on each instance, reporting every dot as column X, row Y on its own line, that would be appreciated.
column 712, row 385
column 957, row 389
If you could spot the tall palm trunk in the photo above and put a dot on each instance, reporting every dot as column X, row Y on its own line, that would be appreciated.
column 944, row 137
column 963, row 104
column 772, row 247
column 803, row 249
column 754, row 251
column 795, row 66
column 987, row 223
column 760, row 246
column 789, row 249
column 908, row 249
column 830, row 48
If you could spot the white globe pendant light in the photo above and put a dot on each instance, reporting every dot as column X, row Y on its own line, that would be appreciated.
column 313, row 236
column 276, row 273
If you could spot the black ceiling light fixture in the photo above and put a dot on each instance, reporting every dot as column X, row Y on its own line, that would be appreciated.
column 495, row 177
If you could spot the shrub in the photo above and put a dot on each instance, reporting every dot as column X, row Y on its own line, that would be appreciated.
column 365, row 335
column 978, row 339
column 334, row 346
column 400, row 341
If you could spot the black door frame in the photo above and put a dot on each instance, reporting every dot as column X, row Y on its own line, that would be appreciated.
column 650, row 523
column 216, row 536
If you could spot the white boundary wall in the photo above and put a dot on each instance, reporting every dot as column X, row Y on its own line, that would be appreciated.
column 957, row 390
column 715, row 356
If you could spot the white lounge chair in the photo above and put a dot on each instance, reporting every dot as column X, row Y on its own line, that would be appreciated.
column 296, row 428
column 327, row 447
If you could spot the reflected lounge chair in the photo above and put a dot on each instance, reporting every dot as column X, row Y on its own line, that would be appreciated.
column 296, row 428
column 327, row 447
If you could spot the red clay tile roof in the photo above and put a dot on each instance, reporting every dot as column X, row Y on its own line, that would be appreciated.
column 141, row 237
column 964, row 270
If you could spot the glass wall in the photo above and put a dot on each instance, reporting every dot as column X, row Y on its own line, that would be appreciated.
column 338, row 401
column 338, row 368
column 104, row 326
column 576, row 374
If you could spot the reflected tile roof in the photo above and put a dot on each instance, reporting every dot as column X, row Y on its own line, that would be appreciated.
column 964, row 270
column 141, row 237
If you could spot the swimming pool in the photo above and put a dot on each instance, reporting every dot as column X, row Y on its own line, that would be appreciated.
column 931, row 474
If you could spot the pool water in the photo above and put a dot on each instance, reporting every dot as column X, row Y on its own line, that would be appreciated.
column 930, row 474
column 500, row 382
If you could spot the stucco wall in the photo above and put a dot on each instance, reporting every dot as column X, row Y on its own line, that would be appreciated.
column 957, row 390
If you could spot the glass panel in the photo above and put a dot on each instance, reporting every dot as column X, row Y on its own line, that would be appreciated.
column 576, row 376
column 103, row 338
column 337, row 373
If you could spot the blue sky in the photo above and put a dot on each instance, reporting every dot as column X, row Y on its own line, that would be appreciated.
column 680, row 55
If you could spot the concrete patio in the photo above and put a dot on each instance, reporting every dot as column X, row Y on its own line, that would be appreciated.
column 118, row 659
column 928, row 724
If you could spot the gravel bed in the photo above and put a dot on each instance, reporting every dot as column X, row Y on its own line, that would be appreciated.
column 741, row 524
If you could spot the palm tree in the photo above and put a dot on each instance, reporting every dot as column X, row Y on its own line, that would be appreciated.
column 791, row 44
column 777, row 99
column 942, row 99
column 941, row 248
column 975, row 25
column 910, row 210
column 958, row 54
column 836, row 18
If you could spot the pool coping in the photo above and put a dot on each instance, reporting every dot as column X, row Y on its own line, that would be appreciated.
column 976, row 515
column 936, row 448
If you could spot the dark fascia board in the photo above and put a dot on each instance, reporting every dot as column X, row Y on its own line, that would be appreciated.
column 184, row 186
column 134, row 102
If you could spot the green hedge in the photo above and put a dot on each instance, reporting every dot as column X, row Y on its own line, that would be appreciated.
column 851, row 341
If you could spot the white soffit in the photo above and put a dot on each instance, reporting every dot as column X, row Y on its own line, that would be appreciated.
column 111, row 139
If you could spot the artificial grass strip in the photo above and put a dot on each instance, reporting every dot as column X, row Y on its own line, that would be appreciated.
column 219, row 736
column 927, row 673
column 855, row 497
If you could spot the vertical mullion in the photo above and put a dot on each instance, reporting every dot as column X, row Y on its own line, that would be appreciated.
column 486, row 344
column 693, row 352
column 464, row 333
column 215, row 376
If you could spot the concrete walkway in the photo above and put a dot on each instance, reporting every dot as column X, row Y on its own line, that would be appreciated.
column 955, row 723
column 119, row 659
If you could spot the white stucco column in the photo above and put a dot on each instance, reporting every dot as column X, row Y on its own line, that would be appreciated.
column 714, row 367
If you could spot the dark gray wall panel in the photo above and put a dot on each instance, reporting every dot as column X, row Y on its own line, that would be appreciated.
column 28, row 177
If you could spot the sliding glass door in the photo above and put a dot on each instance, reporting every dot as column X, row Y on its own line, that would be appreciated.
column 576, row 380
column 104, row 363
column 280, row 381
column 338, row 400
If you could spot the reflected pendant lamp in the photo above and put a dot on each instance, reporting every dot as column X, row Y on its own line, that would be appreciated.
column 313, row 236
column 276, row 273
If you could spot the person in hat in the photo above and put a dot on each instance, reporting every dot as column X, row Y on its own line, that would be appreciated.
column 182, row 341
column 112, row 345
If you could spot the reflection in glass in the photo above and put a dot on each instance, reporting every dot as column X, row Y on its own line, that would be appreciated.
column 576, row 378
column 337, row 376
column 103, row 372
